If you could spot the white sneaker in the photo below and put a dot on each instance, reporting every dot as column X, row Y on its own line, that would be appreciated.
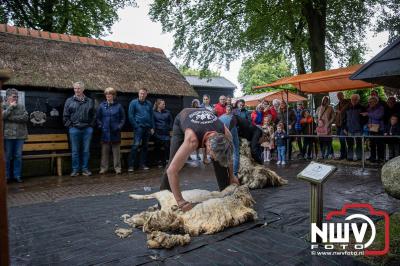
column 278, row 162
column 283, row 162
column 268, row 160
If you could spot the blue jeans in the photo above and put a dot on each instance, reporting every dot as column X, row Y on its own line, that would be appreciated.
column 236, row 155
column 281, row 153
column 343, row 146
column 80, row 147
column 13, row 152
column 142, row 135
column 350, row 146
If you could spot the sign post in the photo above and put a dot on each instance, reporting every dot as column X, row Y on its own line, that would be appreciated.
column 316, row 174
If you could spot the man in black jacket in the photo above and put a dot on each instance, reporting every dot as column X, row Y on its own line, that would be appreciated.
column 353, row 122
column 79, row 117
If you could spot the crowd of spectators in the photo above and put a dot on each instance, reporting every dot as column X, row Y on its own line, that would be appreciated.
column 312, row 131
column 272, row 129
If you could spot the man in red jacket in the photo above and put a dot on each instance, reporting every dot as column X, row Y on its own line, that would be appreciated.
column 220, row 107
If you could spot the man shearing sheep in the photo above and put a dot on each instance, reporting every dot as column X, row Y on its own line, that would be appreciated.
column 193, row 129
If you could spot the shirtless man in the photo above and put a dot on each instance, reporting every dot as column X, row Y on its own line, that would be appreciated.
column 193, row 129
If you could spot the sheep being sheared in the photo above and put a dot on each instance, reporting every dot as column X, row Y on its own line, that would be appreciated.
column 213, row 212
column 253, row 174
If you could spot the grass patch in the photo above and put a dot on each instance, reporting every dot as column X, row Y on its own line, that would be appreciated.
column 393, row 257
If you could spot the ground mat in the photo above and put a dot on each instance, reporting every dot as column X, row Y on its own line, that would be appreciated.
column 81, row 232
column 346, row 185
column 260, row 246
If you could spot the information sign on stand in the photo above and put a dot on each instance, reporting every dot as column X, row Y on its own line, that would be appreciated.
column 316, row 174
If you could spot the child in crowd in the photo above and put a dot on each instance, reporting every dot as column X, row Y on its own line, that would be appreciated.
column 280, row 137
column 393, row 129
column 257, row 116
column 307, row 127
column 322, row 131
column 267, row 139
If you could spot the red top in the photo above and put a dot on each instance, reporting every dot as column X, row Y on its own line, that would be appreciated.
column 219, row 109
column 271, row 111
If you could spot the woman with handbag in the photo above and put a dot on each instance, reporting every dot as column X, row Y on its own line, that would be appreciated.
column 376, row 127
column 326, row 114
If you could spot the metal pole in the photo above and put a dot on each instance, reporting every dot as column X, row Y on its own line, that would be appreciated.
column 287, row 124
column 362, row 153
column 312, row 112
column 4, row 252
column 316, row 206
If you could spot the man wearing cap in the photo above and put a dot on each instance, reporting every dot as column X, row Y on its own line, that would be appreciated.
column 193, row 129
column 15, row 118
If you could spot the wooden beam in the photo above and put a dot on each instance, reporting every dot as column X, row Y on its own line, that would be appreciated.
column 4, row 251
column 56, row 146
column 47, row 138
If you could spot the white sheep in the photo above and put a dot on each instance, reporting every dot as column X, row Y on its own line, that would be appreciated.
column 213, row 212
column 253, row 174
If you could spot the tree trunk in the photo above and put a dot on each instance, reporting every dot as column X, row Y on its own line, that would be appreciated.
column 315, row 14
column 298, row 54
column 48, row 13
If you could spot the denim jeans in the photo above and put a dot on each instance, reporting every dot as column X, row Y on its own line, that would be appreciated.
column 13, row 152
column 281, row 153
column 226, row 119
column 142, row 135
column 343, row 146
column 80, row 139
column 236, row 155
column 350, row 146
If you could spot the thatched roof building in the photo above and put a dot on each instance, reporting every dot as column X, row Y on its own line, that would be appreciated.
column 52, row 60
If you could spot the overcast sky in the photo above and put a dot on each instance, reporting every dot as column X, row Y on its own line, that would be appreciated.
column 136, row 27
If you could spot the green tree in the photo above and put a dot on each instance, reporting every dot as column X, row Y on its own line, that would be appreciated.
column 79, row 17
column 390, row 19
column 187, row 71
column 312, row 32
column 262, row 69
column 365, row 94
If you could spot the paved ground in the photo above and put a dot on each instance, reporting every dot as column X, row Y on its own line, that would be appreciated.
column 52, row 189
column 70, row 220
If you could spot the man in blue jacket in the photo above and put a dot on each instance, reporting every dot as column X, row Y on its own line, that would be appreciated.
column 140, row 115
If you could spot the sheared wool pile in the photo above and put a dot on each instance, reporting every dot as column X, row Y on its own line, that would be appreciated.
column 213, row 212
column 253, row 174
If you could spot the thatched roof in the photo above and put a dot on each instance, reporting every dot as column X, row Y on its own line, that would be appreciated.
column 52, row 60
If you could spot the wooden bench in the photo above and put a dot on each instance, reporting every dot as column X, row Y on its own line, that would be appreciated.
column 43, row 146
column 56, row 147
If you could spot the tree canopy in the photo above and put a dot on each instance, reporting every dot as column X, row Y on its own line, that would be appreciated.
column 90, row 18
column 310, row 32
column 262, row 69
column 188, row 71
